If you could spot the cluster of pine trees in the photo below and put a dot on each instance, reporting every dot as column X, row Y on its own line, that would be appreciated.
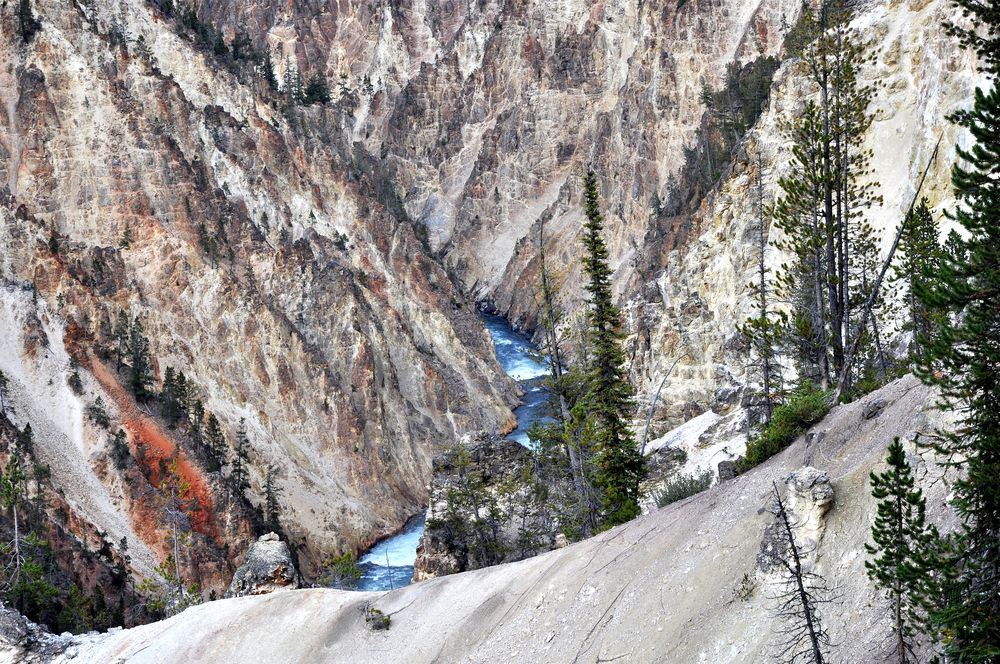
column 31, row 579
column 942, row 587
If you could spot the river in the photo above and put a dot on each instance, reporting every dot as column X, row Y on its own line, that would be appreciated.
column 389, row 564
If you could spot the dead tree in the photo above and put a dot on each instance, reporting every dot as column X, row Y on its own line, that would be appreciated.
column 802, row 636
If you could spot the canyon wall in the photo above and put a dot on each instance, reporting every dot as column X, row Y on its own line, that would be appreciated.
column 262, row 262
column 485, row 116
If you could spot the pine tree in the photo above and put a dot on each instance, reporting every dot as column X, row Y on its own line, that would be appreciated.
column 764, row 331
column 26, row 440
column 119, row 450
column 122, row 331
column 196, row 422
column 900, row 533
column 272, row 493
column 608, row 402
column 267, row 71
column 239, row 473
column 126, row 240
column 825, row 200
column 317, row 91
column 962, row 358
column 168, row 397
column 918, row 260
column 140, row 377
column 28, row 25
column 216, row 440
column 183, row 394
column 241, row 46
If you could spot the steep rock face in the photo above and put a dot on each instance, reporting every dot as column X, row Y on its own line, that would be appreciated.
column 262, row 264
column 689, row 313
column 676, row 585
column 486, row 114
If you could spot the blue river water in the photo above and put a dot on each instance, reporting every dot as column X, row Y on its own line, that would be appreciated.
column 389, row 564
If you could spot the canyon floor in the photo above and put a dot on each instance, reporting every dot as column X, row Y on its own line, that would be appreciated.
column 678, row 585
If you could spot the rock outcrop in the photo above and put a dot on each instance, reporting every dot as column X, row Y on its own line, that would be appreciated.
column 24, row 642
column 268, row 568
column 808, row 496
column 481, row 508
column 670, row 586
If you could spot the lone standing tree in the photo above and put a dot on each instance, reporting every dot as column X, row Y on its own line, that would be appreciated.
column 900, row 533
column 608, row 401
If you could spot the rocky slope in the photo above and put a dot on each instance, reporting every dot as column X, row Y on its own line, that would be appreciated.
column 263, row 262
column 486, row 114
column 683, row 584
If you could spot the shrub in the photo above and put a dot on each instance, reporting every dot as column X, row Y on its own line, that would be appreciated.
column 376, row 620
column 683, row 487
column 790, row 420
column 341, row 572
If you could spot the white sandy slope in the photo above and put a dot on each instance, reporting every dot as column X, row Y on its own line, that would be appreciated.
column 659, row 589
column 64, row 438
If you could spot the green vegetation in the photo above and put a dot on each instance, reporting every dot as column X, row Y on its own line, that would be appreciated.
column 605, row 409
column 27, row 25
column 804, row 408
column 376, row 619
column 900, row 534
column 961, row 357
column 683, row 486
column 729, row 112
column 341, row 572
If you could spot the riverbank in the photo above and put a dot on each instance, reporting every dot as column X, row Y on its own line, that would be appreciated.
column 389, row 564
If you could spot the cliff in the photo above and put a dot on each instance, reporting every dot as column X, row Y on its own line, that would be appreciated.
column 261, row 260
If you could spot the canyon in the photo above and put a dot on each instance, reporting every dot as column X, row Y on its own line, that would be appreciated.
column 317, row 274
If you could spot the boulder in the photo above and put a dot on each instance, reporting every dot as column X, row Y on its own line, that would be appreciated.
column 267, row 569
column 808, row 497
column 728, row 469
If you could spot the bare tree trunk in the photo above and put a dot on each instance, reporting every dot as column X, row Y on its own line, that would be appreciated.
column 556, row 366
column 866, row 311
column 762, row 275
column 795, row 567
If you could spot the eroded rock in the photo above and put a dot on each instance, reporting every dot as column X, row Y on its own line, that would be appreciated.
column 268, row 568
column 808, row 498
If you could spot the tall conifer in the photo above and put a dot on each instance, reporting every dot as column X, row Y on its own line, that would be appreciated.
column 608, row 402
column 962, row 358
column 900, row 533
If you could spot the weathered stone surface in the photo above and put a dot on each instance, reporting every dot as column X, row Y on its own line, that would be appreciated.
column 267, row 569
column 808, row 496
column 25, row 642
column 873, row 408
column 727, row 470
column 349, row 360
